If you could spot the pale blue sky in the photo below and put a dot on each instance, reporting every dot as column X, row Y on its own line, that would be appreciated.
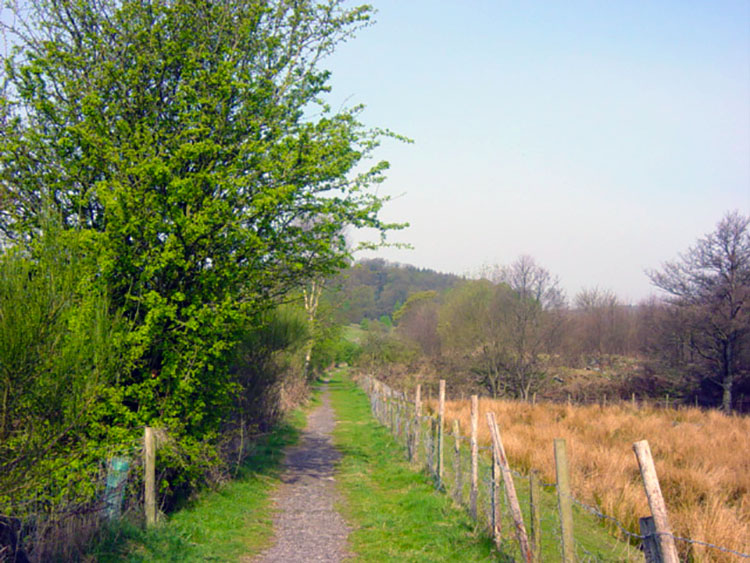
column 602, row 138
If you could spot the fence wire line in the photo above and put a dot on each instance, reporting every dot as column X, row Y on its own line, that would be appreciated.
column 430, row 453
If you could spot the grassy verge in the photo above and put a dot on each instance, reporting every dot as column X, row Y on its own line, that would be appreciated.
column 392, row 510
column 396, row 512
column 218, row 525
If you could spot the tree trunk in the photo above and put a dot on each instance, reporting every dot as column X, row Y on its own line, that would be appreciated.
column 728, row 379
column 726, row 399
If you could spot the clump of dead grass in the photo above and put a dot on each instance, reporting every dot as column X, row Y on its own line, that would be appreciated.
column 702, row 458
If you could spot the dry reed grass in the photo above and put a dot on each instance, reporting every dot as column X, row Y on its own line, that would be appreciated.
column 702, row 458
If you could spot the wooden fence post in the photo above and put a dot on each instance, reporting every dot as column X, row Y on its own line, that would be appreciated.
column 458, row 495
column 496, row 522
column 397, row 432
column 149, row 477
column 564, row 499
column 441, row 424
column 650, row 543
column 417, row 421
column 391, row 411
column 510, row 489
column 667, row 547
column 474, row 456
column 535, row 500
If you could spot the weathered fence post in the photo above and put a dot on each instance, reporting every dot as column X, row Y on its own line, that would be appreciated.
column 458, row 495
column 667, row 548
column 417, row 420
column 433, row 447
column 392, row 411
column 564, row 503
column 399, row 418
column 510, row 489
column 535, row 499
column 495, row 500
column 649, row 542
column 474, row 456
column 441, row 424
column 149, row 477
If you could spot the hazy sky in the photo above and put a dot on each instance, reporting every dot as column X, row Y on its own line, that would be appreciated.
column 602, row 138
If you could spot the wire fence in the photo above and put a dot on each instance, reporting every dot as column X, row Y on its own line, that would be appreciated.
column 446, row 455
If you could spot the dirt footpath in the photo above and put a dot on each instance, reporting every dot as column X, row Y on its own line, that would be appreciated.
column 307, row 526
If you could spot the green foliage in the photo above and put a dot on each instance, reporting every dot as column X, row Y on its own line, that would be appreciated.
column 373, row 288
column 222, row 524
column 413, row 301
column 268, row 353
column 188, row 141
column 195, row 177
column 381, row 346
column 59, row 357
column 386, row 321
column 335, row 349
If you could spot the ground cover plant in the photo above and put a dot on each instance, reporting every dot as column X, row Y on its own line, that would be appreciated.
column 227, row 523
column 701, row 458
column 396, row 511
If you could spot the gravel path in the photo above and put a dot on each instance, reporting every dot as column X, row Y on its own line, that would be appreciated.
column 307, row 526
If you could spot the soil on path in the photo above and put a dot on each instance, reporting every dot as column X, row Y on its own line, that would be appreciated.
column 307, row 526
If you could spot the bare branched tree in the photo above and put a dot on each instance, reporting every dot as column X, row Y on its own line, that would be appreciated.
column 710, row 284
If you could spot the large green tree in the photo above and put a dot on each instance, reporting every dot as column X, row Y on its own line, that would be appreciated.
column 190, row 140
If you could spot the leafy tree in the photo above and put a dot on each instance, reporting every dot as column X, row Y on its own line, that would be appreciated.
column 189, row 139
column 710, row 286
column 470, row 334
column 418, row 321
column 373, row 288
column 506, row 326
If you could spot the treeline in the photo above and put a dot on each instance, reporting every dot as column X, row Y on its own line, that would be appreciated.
column 171, row 183
column 513, row 333
column 374, row 289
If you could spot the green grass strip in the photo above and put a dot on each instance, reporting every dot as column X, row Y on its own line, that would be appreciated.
column 396, row 512
column 234, row 521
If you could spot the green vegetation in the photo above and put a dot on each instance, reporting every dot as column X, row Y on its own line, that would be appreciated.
column 170, row 174
column 593, row 541
column 397, row 513
column 372, row 289
column 233, row 521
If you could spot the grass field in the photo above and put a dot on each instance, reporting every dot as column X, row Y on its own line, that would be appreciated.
column 702, row 458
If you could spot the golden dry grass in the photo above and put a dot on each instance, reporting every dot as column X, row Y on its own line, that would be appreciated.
column 702, row 458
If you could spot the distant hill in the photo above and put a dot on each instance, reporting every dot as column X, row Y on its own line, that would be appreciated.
column 373, row 288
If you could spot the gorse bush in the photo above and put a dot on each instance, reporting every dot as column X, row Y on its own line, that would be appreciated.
column 58, row 353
